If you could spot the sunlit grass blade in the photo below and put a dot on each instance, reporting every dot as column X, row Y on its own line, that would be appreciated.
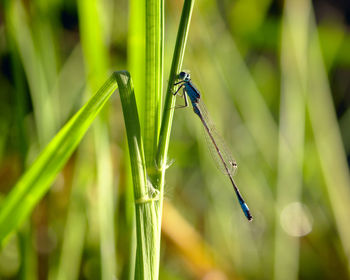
column 168, row 111
column 36, row 181
column 328, row 141
column 146, row 224
column 291, row 134
column 169, row 104
column 95, row 52
column 136, row 46
column 150, row 121
column 45, row 111
column 76, row 225
column 92, row 41
column 137, row 67
column 147, row 213
column 28, row 260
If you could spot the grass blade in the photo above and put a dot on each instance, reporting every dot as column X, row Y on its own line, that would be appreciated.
column 46, row 118
column 146, row 265
column 95, row 52
column 291, row 134
column 36, row 181
column 136, row 42
column 328, row 141
column 154, row 78
column 176, row 66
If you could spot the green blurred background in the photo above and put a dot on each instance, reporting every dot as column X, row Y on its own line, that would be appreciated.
column 275, row 78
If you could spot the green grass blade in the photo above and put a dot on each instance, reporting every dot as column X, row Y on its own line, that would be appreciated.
column 169, row 104
column 154, row 77
column 291, row 133
column 75, row 229
column 328, row 141
column 136, row 47
column 28, row 257
column 168, row 113
column 106, row 198
column 45, row 112
column 136, row 65
column 36, row 181
column 92, row 41
column 146, row 266
column 133, row 131
column 95, row 52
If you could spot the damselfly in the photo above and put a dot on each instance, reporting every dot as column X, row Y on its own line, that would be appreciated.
column 224, row 159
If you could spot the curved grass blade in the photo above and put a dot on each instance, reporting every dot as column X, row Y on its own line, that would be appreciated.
column 37, row 179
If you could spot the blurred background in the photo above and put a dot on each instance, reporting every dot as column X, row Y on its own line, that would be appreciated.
column 275, row 78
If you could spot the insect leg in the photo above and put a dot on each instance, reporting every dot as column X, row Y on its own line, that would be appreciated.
column 179, row 83
column 186, row 100
column 178, row 89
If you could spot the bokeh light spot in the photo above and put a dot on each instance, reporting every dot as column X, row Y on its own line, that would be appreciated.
column 296, row 220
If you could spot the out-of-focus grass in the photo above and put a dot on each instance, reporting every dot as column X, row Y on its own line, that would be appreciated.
column 261, row 68
column 253, row 129
column 95, row 49
column 34, row 66
column 291, row 140
column 35, row 182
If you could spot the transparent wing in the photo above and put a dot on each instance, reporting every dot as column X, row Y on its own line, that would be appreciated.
column 216, row 144
column 220, row 152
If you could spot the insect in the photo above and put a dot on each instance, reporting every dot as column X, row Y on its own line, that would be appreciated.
column 215, row 141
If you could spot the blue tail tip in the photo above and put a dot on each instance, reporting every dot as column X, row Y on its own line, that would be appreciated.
column 246, row 211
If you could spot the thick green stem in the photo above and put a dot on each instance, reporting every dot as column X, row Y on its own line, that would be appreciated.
column 147, row 253
column 154, row 79
column 176, row 65
column 169, row 104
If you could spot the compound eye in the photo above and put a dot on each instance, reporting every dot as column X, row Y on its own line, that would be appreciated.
column 182, row 75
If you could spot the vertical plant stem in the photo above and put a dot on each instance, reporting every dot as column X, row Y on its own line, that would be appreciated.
column 146, row 256
column 169, row 104
column 137, row 67
column 176, row 65
column 147, row 225
column 154, row 77
column 152, row 236
column 136, row 46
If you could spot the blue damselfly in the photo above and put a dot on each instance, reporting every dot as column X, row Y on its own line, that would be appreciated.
column 224, row 159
